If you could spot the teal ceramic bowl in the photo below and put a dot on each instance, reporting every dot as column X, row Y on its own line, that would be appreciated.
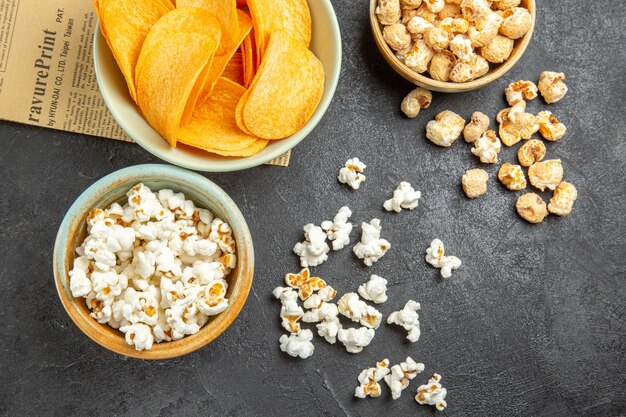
column 113, row 188
column 325, row 43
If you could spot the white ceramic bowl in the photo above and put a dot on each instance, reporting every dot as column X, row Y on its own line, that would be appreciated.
column 325, row 43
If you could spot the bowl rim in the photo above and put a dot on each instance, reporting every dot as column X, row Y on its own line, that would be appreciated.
column 447, row 86
column 147, row 172
column 280, row 147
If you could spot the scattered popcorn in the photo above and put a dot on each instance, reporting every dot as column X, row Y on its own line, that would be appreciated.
column 388, row 12
column 351, row 306
column 338, row 231
column 432, row 393
column 530, row 152
column 304, row 283
column 328, row 328
column 290, row 312
column 408, row 319
column 498, row 49
column 516, row 124
column 549, row 126
column 154, row 268
column 563, row 199
column 445, row 129
column 298, row 345
column 318, row 299
column 474, row 182
column 512, row 176
column 355, row 339
column 374, row 290
column 517, row 21
column 417, row 99
column 531, row 208
column 352, row 173
column 371, row 247
column 435, row 255
column 546, row 174
column 520, row 91
column 479, row 123
column 487, row 147
column 401, row 375
column 369, row 378
column 404, row 197
column 551, row 86
column 314, row 250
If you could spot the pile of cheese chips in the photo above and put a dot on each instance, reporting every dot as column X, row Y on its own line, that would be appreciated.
column 225, row 76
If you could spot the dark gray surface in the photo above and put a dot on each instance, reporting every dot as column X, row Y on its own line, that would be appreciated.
column 532, row 324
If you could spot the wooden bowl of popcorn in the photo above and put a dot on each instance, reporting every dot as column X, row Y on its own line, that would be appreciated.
column 153, row 261
column 452, row 46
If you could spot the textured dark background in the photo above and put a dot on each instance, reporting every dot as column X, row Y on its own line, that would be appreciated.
column 532, row 324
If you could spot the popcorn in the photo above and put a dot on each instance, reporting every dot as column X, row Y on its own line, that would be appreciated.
column 338, row 231
column 498, row 49
column 517, row 21
column 454, row 25
column 410, row 4
column 505, row 4
column 530, row 152
column 445, row 129
column 432, row 393
column 298, row 345
column 519, row 91
column 304, row 283
column 563, row 199
column 290, row 312
column 418, row 57
column 317, row 299
column 314, row 250
column 551, row 86
column 417, row 99
column 434, row 6
column 546, row 174
column 80, row 285
column 417, row 25
column 404, row 197
column 462, row 72
column 329, row 329
column 478, row 124
column 485, row 30
column 355, row 339
column 401, row 375
column 474, row 182
column 452, row 9
column 435, row 255
column 352, row 173
column 516, row 124
column 388, row 12
column 357, row 310
column 139, row 335
column 155, row 267
column 531, row 208
column 441, row 66
column 549, row 126
column 371, row 247
column 424, row 12
column 487, row 147
column 408, row 319
column 397, row 36
column 374, row 290
column 475, row 9
column 512, row 176
column 325, row 311
column 369, row 378
column 437, row 38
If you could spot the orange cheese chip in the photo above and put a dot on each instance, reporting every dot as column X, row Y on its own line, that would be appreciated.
column 213, row 126
column 176, row 53
column 291, row 16
column 286, row 90
column 234, row 69
column 249, row 61
column 126, row 36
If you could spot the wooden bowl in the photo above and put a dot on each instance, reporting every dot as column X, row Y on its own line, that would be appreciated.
column 495, row 70
column 113, row 188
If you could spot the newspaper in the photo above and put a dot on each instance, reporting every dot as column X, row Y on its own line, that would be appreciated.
column 47, row 77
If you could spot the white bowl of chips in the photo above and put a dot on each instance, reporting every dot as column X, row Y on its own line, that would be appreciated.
column 268, row 109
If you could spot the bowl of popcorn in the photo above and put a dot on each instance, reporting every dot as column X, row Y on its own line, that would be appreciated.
column 153, row 261
column 452, row 45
